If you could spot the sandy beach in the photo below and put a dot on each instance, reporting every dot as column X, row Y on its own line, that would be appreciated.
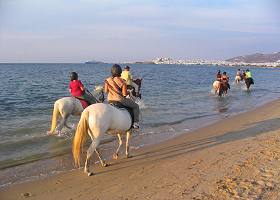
column 236, row 158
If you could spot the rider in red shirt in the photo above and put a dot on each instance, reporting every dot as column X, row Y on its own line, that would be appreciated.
column 77, row 89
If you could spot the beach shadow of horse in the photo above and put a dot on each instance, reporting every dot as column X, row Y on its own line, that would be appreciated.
column 182, row 148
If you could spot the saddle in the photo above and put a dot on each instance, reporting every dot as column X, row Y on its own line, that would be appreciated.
column 83, row 102
column 118, row 105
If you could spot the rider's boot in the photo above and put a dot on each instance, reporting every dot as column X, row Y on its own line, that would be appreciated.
column 136, row 125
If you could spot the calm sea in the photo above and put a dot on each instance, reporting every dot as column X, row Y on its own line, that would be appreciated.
column 176, row 99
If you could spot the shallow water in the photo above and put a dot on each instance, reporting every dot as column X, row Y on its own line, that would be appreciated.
column 176, row 99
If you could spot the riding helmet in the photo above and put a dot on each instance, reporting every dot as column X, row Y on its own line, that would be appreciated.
column 116, row 70
column 73, row 76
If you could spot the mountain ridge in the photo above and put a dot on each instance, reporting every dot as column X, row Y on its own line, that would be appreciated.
column 256, row 58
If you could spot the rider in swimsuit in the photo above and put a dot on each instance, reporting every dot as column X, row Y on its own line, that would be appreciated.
column 219, row 78
column 225, row 80
column 116, row 88
column 238, row 73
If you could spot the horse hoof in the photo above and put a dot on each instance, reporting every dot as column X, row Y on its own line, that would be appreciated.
column 116, row 156
column 90, row 173
column 105, row 165
column 128, row 156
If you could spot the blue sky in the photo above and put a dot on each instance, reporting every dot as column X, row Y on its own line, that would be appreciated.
column 133, row 30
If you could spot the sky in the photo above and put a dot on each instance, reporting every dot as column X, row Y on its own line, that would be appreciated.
column 133, row 30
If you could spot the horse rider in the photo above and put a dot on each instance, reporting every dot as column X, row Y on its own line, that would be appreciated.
column 238, row 73
column 249, row 76
column 116, row 88
column 77, row 89
column 225, row 80
column 219, row 78
column 126, row 75
column 243, row 75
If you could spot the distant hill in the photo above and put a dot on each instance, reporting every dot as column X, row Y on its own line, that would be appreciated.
column 256, row 58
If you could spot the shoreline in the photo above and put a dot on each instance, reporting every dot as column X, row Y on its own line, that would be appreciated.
column 191, row 145
column 63, row 163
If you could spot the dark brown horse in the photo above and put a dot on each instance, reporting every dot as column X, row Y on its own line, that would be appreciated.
column 249, row 82
column 133, row 92
column 223, row 89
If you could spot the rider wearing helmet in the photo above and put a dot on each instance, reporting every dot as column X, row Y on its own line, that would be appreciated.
column 126, row 75
column 77, row 89
column 116, row 88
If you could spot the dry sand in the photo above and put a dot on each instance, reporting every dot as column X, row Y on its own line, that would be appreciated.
column 236, row 158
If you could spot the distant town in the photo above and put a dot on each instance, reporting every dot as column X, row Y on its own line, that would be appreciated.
column 257, row 59
column 208, row 62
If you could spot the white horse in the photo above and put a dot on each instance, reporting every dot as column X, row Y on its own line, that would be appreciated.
column 96, row 120
column 67, row 106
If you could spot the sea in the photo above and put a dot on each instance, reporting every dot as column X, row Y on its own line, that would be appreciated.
column 176, row 99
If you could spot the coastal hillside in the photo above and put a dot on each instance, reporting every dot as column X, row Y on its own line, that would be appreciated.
column 257, row 58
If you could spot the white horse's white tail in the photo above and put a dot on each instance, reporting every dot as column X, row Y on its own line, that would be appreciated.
column 54, row 117
column 80, row 137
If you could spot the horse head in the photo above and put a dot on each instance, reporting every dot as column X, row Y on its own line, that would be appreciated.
column 132, row 92
column 138, row 81
column 98, row 93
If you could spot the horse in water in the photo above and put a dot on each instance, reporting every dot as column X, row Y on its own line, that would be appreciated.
column 220, row 88
column 132, row 93
column 67, row 106
column 97, row 120
column 249, row 82
column 237, row 79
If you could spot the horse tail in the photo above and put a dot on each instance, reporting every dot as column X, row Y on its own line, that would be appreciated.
column 54, row 117
column 80, row 137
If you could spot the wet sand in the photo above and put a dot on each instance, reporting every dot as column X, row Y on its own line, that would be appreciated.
column 235, row 158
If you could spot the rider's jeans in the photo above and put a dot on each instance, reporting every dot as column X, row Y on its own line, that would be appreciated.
column 134, row 106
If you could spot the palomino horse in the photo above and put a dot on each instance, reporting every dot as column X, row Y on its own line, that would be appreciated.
column 96, row 120
column 237, row 79
column 67, row 106
column 220, row 88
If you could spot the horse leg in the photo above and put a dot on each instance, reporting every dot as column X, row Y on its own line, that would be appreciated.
column 116, row 154
column 60, row 126
column 103, row 163
column 64, row 121
column 127, row 144
column 90, row 151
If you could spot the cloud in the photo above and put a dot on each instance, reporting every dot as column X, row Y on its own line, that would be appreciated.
column 72, row 30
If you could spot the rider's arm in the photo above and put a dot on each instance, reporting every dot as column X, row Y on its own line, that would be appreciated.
column 81, row 86
column 130, row 76
column 124, row 90
column 105, row 87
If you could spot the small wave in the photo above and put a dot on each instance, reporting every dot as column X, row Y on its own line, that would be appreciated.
column 141, row 104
